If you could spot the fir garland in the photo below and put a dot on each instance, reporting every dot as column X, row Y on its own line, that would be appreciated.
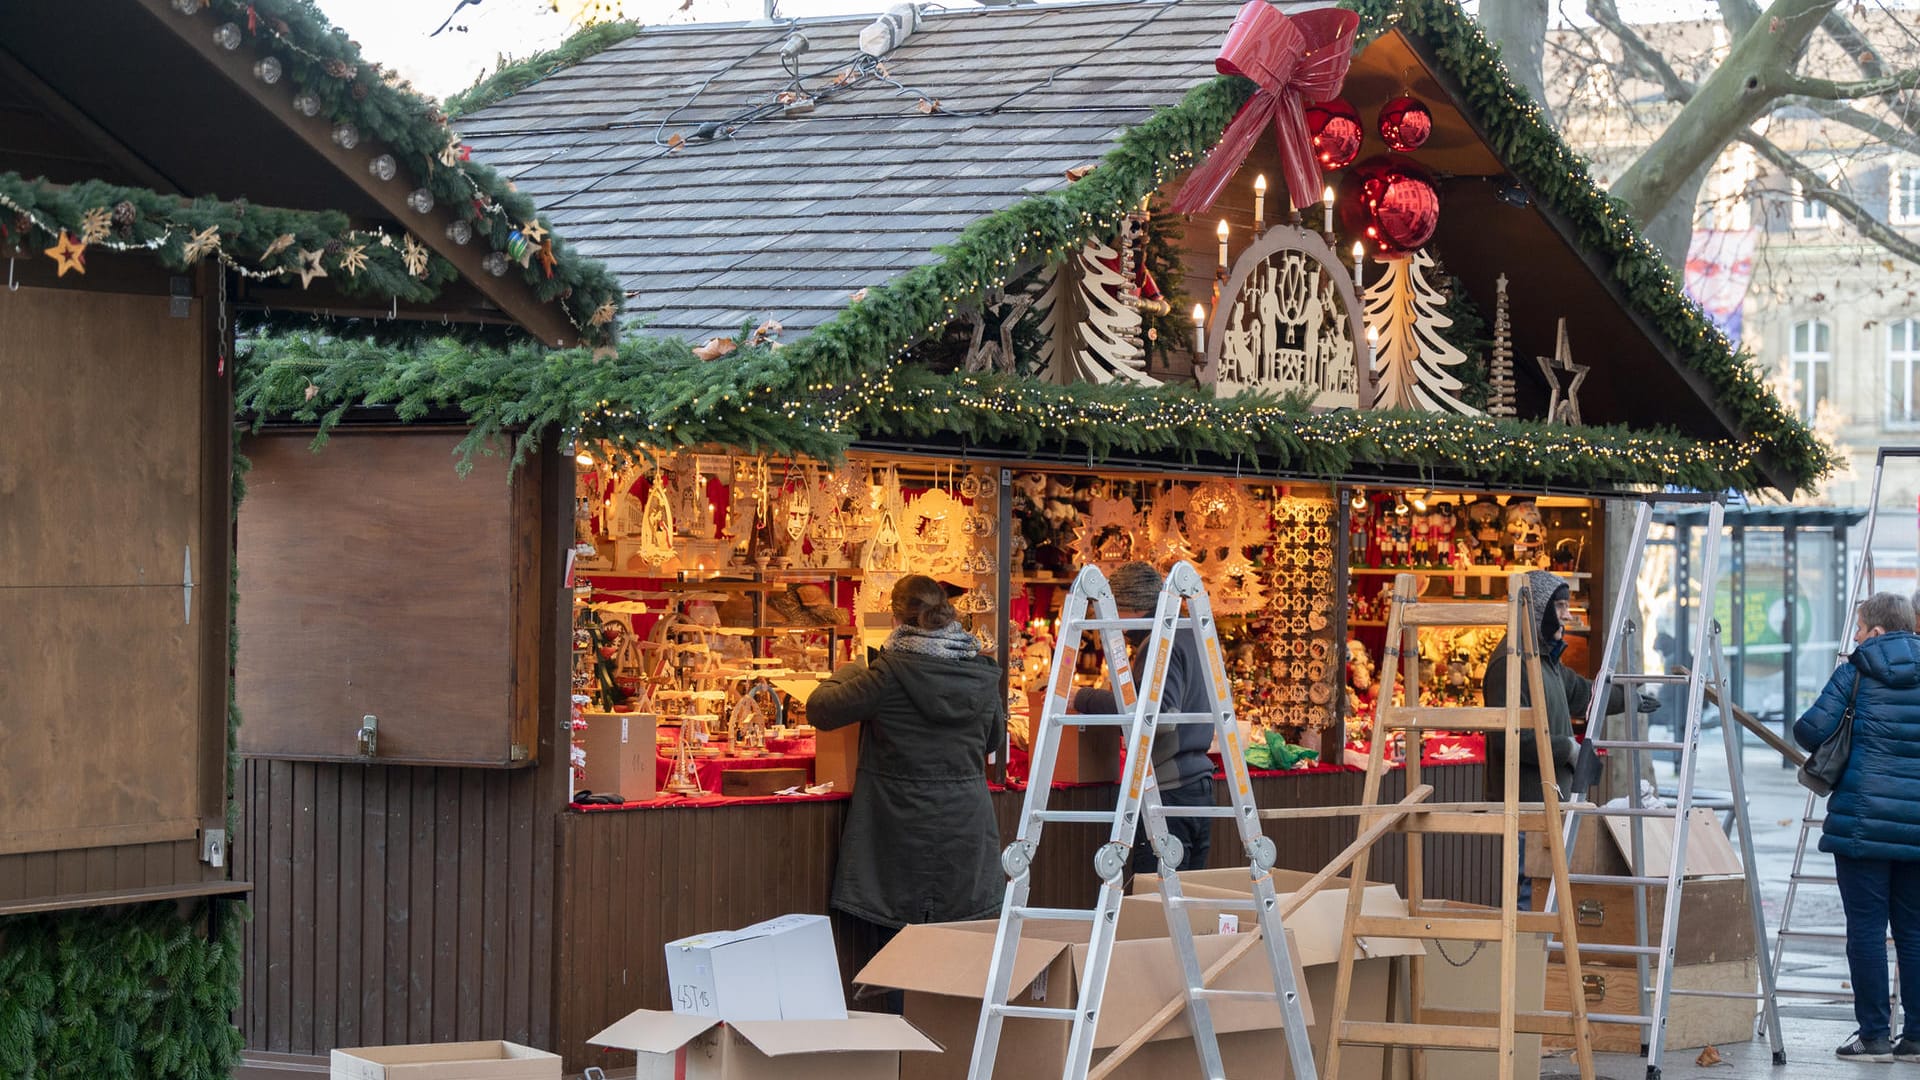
column 647, row 396
column 317, row 58
column 512, row 77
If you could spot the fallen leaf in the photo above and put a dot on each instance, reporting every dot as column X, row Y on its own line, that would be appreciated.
column 1708, row 1056
column 845, row 77
column 928, row 105
column 1079, row 171
column 858, row 295
column 715, row 348
column 1785, row 821
column 766, row 331
column 786, row 97
column 674, row 140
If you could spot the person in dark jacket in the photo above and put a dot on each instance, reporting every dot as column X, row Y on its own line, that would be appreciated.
column 1181, row 767
column 1873, row 819
column 921, row 843
column 1567, row 693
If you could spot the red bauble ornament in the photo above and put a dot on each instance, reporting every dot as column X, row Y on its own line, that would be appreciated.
column 1335, row 126
column 1405, row 124
column 1392, row 202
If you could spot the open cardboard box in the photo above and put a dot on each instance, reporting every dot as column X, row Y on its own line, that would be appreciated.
column 491, row 1060
column 784, row 968
column 674, row 1046
column 942, row 969
column 1607, row 849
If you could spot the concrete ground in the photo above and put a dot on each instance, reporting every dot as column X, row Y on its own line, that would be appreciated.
column 1811, row 1027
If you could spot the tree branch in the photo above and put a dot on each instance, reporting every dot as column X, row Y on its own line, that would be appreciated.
column 1813, row 187
column 1896, row 135
column 1739, row 15
column 1837, row 90
column 1639, row 51
column 1854, row 44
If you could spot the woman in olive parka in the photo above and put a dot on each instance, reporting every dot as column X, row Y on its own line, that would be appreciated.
column 921, row 843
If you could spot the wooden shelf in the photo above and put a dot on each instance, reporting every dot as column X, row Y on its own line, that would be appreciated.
column 1451, row 571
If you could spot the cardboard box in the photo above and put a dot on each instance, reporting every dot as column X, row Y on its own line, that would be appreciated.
column 1604, row 844
column 445, row 1061
column 780, row 969
column 836, row 756
column 1466, row 976
column 863, row 1046
column 760, row 781
column 620, row 754
column 1716, row 920
column 1692, row 1022
column 943, row 970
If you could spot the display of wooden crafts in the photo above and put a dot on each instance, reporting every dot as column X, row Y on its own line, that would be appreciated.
column 932, row 531
column 683, row 778
column 1412, row 359
column 1107, row 533
column 1167, row 541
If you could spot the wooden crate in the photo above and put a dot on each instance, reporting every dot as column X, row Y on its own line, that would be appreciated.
column 1716, row 922
column 1692, row 1022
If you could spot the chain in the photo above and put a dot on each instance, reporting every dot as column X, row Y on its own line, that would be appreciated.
column 1451, row 962
column 220, row 322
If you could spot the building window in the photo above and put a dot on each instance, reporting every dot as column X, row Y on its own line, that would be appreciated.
column 1905, row 208
column 1812, row 360
column 1810, row 212
column 1903, row 373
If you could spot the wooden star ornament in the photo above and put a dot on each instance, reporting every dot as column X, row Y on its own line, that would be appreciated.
column 534, row 231
column 414, row 255
column 310, row 267
column 201, row 244
column 1563, row 407
column 68, row 254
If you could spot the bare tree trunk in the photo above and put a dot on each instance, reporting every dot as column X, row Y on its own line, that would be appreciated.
column 1519, row 27
column 1671, row 230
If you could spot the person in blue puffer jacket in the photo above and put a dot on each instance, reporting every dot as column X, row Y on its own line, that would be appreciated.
column 1873, row 819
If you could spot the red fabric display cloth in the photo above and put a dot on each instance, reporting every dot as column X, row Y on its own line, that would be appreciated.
column 798, row 755
column 1472, row 750
column 1295, row 60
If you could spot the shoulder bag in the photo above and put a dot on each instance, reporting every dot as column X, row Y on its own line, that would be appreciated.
column 1828, row 762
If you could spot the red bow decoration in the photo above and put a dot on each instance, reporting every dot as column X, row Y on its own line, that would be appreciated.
column 1295, row 60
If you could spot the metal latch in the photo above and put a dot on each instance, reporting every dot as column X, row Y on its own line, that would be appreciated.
column 213, row 847
column 1590, row 912
column 518, row 751
column 1595, row 987
column 369, row 735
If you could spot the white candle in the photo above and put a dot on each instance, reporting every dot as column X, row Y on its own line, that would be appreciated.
column 1260, row 201
column 1326, row 203
column 1221, row 232
column 1199, row 330
column 1373, row 346
column 1359, row 259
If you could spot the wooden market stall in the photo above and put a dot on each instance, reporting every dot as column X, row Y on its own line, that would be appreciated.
column 665, row 547
column 170, row 173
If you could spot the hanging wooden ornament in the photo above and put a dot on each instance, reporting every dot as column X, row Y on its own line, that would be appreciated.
column 1108, row 533
column 1213, row 518
column 1411, row 356
column 883, row 551
column 935, row 542
column 1090, row 319
column 624, row 508
column 1235, row 585
column 1167, row 543
column 656, row 526
column 1565, row 376
column 1500, row 397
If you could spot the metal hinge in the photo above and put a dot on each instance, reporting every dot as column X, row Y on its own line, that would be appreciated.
column 1594, row 986
column 1590, row 912
column 186, row 585
column 517, row 752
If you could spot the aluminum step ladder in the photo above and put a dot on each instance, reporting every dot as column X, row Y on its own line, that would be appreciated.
column 1140, row 718
column 1653, row 955
column 1812, row 818
column 1449, row 1029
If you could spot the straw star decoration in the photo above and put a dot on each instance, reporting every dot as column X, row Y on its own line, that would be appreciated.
column 310, row 267
column 95, row 224
column 201, row 244
column 602, row 315
column 414, row 255
column 280, row 244
column 68, row 254
column 353, row 259
column 534, row 231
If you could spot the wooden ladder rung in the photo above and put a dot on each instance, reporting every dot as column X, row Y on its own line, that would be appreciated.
column 1453, row 926
column 1470, row 822
column 1436, row 1036
column 1453, row 718
column 1526, row 1023
column 1454, row 613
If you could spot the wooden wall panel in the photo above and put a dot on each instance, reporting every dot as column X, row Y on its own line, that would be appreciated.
column 375, row 580
column 632, row 881
column 393, row 904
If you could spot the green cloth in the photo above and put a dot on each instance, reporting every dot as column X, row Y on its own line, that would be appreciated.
column 1277, row 753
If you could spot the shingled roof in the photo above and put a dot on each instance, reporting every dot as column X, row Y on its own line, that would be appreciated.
column 787, row 217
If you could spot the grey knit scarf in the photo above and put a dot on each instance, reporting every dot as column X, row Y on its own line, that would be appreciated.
column 950, row 642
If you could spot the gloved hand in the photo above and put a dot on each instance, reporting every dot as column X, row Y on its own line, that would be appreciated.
column 1648, row 702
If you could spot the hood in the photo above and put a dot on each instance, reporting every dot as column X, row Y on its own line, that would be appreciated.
column 1892, row 659
column 1542, row 589
column 946, row 690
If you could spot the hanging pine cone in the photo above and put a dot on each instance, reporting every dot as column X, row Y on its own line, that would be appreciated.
column 124, row 216
column 359, row 91
column 333, row 248
column 436, row 116
column 239, row 208
column 339, row 69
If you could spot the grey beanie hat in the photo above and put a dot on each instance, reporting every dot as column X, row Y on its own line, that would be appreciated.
column 1136, row 586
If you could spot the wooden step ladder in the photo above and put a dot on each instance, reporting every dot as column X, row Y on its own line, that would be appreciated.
column 1454, row 1029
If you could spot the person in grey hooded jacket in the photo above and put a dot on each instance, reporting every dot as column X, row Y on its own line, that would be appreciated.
column 1181, row 766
